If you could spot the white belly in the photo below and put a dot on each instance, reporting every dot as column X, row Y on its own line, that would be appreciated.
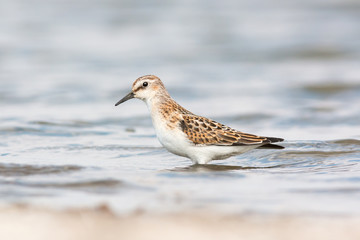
column 205, row 154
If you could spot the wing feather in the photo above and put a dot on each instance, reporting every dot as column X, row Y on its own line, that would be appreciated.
column 205, row 131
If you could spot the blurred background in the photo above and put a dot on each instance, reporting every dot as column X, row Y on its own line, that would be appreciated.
column 278, row 68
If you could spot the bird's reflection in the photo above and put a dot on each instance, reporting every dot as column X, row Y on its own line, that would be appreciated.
column 216, row 168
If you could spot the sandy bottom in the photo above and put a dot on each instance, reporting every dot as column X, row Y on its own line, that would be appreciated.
column 33, row 223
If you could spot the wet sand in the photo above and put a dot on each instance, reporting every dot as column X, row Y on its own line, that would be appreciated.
column 34, row 223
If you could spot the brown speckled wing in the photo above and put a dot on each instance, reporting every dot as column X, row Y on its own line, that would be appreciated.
column 204, row 131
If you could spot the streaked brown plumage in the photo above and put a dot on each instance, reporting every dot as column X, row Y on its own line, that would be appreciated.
column 201, row 130
column 204, row 131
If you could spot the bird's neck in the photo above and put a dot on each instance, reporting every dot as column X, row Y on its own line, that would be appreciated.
column 164, row 108
column 164, row 112
column 159, row 102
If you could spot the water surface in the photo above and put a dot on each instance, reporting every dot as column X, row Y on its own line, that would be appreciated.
column 272, row 68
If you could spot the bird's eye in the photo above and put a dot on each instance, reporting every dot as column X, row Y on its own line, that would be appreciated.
column 145, row 84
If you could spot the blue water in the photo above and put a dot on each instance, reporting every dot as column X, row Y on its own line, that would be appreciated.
column 272, row 68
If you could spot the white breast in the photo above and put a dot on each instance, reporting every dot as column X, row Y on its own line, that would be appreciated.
column 172, row 138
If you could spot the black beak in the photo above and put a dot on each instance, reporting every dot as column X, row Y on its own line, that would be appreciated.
column 124, row 99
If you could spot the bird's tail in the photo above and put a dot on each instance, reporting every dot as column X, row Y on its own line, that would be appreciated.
column 273, row 146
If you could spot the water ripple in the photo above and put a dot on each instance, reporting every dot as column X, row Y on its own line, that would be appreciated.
column 12, row 169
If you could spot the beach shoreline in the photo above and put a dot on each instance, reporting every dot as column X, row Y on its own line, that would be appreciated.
column 26, row 222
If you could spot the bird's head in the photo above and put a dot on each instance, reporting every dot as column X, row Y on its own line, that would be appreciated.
column 144, row 88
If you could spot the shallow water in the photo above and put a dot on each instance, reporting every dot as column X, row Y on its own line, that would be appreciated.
column 276, row 69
